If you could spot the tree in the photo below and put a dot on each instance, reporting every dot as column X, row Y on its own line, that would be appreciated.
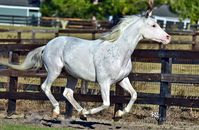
column 85, row 8
column 186, row 9
column 48, row 8
column 65, row 8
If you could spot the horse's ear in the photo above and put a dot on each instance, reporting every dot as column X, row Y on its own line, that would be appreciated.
column 148, row 13
column 150, row 8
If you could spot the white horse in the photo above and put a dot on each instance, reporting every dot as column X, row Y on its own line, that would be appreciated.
column 106, row 60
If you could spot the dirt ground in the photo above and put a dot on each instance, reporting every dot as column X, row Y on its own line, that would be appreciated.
column 99, row 124
column 140, row 118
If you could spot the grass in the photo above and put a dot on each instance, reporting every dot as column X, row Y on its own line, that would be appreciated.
column 9, row 126
column 7, row 27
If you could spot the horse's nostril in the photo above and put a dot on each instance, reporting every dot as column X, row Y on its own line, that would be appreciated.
column 168, row 37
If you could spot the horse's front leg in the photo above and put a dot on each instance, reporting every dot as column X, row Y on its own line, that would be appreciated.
column 125, row 84
column 105, row 92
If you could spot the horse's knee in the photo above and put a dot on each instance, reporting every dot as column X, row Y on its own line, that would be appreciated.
column 67, row 92
column 134, row 95
column 106, row 105
column 43, row 87
column 46, row 89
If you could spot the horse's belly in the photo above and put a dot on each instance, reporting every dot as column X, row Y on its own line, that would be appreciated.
column 80, row 65
column 81, row 71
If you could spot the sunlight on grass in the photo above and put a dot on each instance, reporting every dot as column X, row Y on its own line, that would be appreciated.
column 146, row 87
column 185, row 69
column 185, row 89
column 141, row 67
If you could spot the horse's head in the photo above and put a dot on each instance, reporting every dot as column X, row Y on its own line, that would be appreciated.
column 151, row 30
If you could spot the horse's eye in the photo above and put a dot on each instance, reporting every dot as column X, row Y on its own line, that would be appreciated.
column 153, row 25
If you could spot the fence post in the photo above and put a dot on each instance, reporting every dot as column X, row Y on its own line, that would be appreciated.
column 57, row 33
column 194, row 43
column 93, row 35
column 14, row 57
column 33, row 36
column 118, row 92
column 13, row 81
column 69, row 109
column 19, row 37
column 165, row 88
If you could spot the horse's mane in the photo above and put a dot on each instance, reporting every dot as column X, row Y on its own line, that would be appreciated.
column 116, row 31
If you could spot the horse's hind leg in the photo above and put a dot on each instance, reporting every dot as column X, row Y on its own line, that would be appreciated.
column 68, row 93
column 53, row 73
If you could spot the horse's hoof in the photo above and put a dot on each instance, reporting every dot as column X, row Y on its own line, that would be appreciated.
column 55, row 115
column 117, row 118
column 119, row 113
column 83, row 117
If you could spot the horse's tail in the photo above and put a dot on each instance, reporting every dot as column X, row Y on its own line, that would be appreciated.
column 32, row 60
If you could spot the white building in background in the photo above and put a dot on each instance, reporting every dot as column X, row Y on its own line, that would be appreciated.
column 19, row 12
column 168, row 19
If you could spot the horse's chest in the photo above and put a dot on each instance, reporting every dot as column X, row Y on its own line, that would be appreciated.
column 117, row 71
column 112, row 64
column 124, row 71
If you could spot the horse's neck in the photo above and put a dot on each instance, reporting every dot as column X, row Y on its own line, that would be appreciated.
column 129, row 39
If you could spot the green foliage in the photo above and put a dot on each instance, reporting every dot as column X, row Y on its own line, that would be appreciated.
column 122, row 7
column 48, row 8
column 186, row 9
column 86, row 9
column 65, row 8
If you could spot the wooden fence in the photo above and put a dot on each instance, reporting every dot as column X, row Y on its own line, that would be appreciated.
column 165, row 78
column 57, row 22
column 50, row 22
column 93, row 32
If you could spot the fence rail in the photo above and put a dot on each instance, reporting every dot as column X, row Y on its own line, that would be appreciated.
column 50, row 22
column 56, row 22
column 193, row 34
